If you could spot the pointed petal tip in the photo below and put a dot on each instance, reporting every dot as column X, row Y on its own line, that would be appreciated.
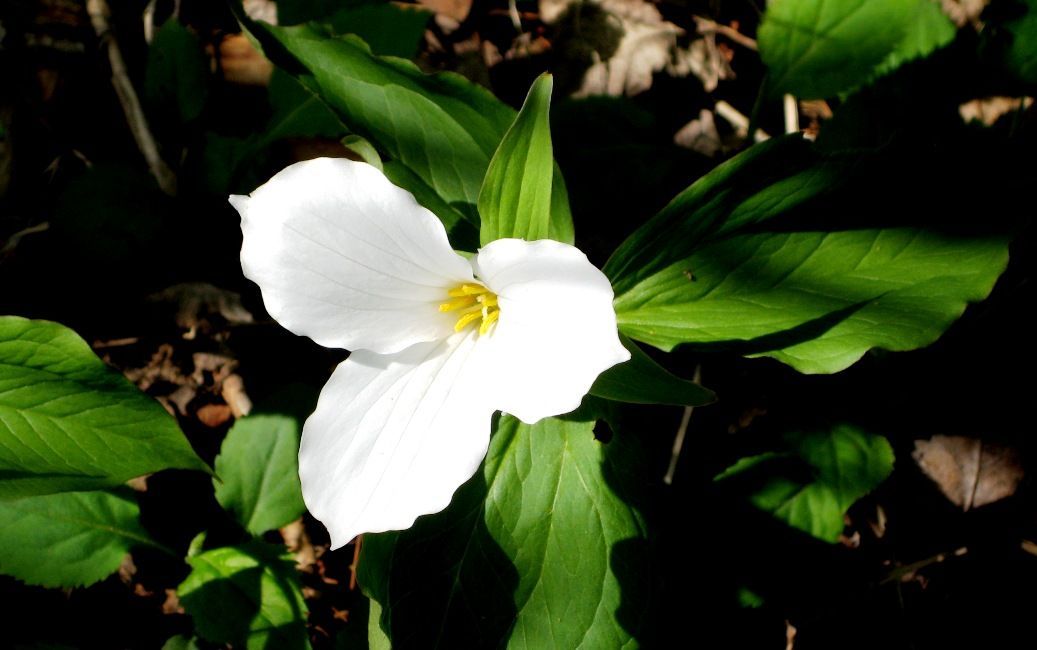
column 240, row 203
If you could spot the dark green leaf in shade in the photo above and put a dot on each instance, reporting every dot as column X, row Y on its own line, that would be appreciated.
column 1021, row 50
column 177, row 72
column 542, row 548
column 515, row 200
column 812, row 484
column 69, row 422
column 643, row 381
column 248, row 596
column 388, row 28
column 816, row 49
column 71, row 539
column 258, row 470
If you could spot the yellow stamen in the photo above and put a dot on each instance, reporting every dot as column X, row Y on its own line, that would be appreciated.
column 488, row 319
column 468, row 290
column 465, row 320
column 472, row 302
column 458, row 303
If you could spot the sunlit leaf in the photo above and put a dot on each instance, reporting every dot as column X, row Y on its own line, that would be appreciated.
column 815, row 48
column 247, row 595
column 69, row 422
column 70, row 539
column 258, row 470
column 541, row 549
column 515, row 200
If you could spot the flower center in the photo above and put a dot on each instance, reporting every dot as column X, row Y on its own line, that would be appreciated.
column 472, row 302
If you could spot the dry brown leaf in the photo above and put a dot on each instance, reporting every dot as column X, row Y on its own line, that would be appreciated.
column 700, row 135
column 969, row 472
column 242, row 63
column 299, row 545
column 648, row 45
column 196, row 301
column 964, row 11
column 233, row 392
column 454, row 9
column 990, row 109
column 214, row 415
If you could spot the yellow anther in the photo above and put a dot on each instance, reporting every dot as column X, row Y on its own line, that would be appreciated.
column 472, row 302
column 488, row 319
column 467, row 319
column 467, row 290
column 457, row 303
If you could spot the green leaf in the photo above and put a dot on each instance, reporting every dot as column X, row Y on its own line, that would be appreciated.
column 643, row 381
column 441, row 127
column 389, row 29
column 181, row 642
column 177, row 72
column 247, row 595
column 817, row 49
column 540, row 549
column 811, row 486
column 767, row 180
column 258, row 470
column 1021, row 53
column 815, row 300
column 71, row 539
column 69, row 422
column 515, row 200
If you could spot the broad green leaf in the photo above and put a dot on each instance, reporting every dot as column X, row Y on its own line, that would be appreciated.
column 815, row 300
column 765, row 181
column 540, row 549
column 177, row 71
column 1021, row 53
column 258, row 470
column 515, row 200
column 247, row 595
column 816, row 49
column 69, row 422
column 814, row 483
column 442, row 127
column 181, row 642
column 643, row 381
column 388, row 28
column 72, row 539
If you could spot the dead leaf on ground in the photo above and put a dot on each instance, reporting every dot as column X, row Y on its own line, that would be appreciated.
column 195, row 302
column 964, row 11
column 990, row 109
column 969, row 472
column 454, row 9
column 700, row 135
column 214, row 415
column 647, row 44
column 241, row 63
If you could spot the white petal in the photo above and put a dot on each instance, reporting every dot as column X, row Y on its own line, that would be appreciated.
column 394, row 436
column 557, row 329
column 347, row 258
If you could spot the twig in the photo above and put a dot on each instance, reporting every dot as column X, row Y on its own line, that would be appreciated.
column 138, row 123
column 791, row 114
column 739, row 121
column 13, row 241
column 707, row 26
column 898, row 574
column 682, row 430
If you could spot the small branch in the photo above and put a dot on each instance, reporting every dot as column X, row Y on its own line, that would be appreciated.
column 15, row 239
column 907, row 570
column 707, row 26
column 738, row 121
column 682, row 430
column 791, row 114
column 138, row 123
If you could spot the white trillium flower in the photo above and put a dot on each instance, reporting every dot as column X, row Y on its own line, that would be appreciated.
column 439, row 342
